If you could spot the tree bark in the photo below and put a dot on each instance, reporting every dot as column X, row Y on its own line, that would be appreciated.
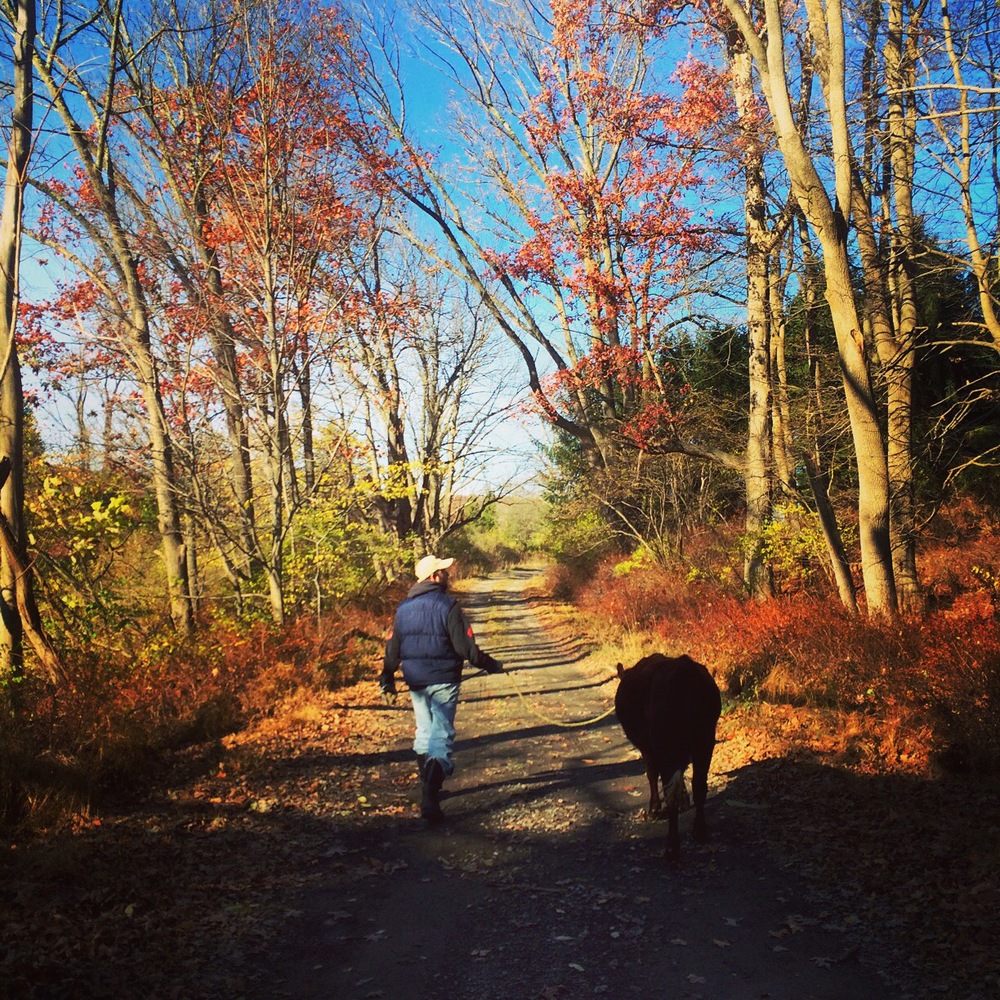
column 13, row 561
column 831, row 534
column 982, row 262
column 899, row 355
column 829, row 220
column 758, row 473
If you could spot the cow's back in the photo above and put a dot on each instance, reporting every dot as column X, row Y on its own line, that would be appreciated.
column 682, row 689
column 667, row 705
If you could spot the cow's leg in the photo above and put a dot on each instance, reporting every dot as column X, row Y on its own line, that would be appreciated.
column 701, row 760
column 653, row 777
column 673, row 852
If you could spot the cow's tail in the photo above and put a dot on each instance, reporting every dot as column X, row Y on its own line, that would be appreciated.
column 674, row 790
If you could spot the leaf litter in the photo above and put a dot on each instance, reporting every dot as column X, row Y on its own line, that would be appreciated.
column 171, row 896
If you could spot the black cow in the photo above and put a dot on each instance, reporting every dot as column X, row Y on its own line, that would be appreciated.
column 668, row 708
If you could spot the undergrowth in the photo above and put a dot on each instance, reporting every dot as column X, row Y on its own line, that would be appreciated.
column 112, row 729
column 933, row 677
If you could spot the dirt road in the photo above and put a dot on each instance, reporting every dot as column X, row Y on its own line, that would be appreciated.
column 544, row 881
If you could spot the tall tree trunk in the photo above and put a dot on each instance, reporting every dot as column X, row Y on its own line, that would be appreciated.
column 900, row 58
column 108, row 448
column 890, row 305
column 829, row 220
column 191, row 553
column 223, row 342
column 191, row 185
column 11, row 395
column 812, row 453
column 782, row 441
column 814, row 419
column 758, row 476
column 896, row 365
column 161, row 450
column 308, row 447
column 839, row 564
column 85, row 451
column 982, row 261
column 277, row 450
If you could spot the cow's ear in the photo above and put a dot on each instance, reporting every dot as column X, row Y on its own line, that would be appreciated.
column 619, row 669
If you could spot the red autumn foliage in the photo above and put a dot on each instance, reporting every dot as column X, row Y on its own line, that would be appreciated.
column 649, row 407
column 244, row 211
column 610, row 232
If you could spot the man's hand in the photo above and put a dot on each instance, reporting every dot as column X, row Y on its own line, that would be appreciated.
column 387, row 684
column 495, row 667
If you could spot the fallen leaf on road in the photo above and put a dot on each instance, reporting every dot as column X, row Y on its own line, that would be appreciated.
column 552, row 992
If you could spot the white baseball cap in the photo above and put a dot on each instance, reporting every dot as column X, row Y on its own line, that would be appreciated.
column 429, row 565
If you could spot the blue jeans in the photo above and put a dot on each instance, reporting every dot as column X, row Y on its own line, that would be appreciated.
column 434, row 712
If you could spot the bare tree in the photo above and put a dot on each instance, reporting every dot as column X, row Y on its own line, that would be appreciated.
column 570, row 224
column 962, row 106
column 237, row 208
column 184, row 70
column 417, row 350
column 759, row 244
column 887, row 256
column 118, row 270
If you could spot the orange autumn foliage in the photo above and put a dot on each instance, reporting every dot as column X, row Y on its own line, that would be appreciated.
column 940, row 672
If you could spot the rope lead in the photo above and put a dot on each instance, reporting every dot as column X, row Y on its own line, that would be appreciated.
column 556, row 722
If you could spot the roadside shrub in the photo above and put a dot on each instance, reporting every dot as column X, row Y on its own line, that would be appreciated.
column 959, row 553
column 957, row 677
column 941, row 671
column 337, row 556
column 633, row 593
column 793, row 544
column 91, row 542
column 575, row 538
column 564, row 581
column 113, row 728
column 967, row 716
column 932, row 679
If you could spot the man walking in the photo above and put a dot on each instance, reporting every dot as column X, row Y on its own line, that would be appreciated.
column 432, row 640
